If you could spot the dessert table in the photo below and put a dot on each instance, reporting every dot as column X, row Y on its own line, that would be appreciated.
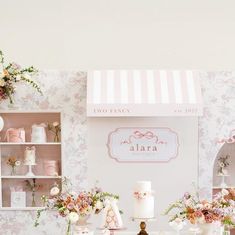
column 98, row 232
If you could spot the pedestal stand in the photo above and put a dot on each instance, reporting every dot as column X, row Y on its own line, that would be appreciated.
column 223, row 183
column 30, row 172
column 112, row 230
column 143, row 224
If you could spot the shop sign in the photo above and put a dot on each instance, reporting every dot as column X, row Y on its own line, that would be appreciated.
column 140, row 144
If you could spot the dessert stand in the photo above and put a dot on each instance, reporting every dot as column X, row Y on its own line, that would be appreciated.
column 112, row 230
column 143, row 222
column 223, row 183
column 30, row 172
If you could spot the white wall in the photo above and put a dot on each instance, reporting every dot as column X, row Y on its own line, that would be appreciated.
column 84, row 34
column 169, row 180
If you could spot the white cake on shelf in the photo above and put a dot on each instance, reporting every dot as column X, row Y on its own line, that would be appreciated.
column 143, row 200
column 30, row 156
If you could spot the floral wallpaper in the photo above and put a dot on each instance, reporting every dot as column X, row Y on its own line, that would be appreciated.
column 218, row 121
column 66, row 91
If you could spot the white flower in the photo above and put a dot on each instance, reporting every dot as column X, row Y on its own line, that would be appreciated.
column 18, row 77
column 66, row 212
column 54, row 191
column 2, row 82
column 73, row 217
column 199, row 206
column 55, row 123
column 224, row 192
column 17, row 163
column 201, row 220
column 99, row 205
column 221, row 164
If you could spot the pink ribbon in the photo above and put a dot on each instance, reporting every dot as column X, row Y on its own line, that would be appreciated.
column 147, row 135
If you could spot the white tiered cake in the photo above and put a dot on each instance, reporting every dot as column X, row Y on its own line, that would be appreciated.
column 30, row 156
column 143, row 200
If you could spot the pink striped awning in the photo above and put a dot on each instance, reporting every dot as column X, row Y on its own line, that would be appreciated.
column 143, row 93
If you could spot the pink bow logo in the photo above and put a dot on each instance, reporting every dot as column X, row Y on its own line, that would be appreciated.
column 147, row 135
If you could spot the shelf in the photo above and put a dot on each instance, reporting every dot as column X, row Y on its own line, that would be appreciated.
column 30, row 143
column 20, row 208
column 30, row 177
column 219, row 187
column 45, row 151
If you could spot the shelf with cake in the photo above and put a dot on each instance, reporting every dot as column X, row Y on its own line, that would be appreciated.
column 31, row 161
column 30, row 158
column 224, row 165
column 227, row 187
column 30, row 143
column 30, row 177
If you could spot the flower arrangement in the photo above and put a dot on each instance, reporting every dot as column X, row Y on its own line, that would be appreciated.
column 190, row 208
column 13, row 163
column 223, row 163
column 33, row 187
column 75, row 206
column 224, row 202
column 11, row 74
column 55, row 127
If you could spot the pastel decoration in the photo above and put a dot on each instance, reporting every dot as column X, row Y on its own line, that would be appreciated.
column 51, row 168
column 38, row 134
column 111, row 215
column 18, row 197
column 30, row 156
column 1, row 123
column 15, row 135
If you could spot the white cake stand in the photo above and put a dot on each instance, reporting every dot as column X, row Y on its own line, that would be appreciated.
column 113, row 230
column 223, row 183
column 30, row 172
column 143, row 224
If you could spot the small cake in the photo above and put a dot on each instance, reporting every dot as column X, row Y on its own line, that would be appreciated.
column 30, row 156
column 111, row 218
column 143, row 200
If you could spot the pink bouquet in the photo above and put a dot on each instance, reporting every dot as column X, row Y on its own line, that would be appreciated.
column 191, row 208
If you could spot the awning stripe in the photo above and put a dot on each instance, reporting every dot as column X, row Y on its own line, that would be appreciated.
column 177, row 86
column 110, row 86
column 168, row 90
column 164, row 87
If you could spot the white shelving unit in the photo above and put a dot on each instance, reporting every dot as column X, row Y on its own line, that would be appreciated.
column 219, row 187
column 21, row 208
column 29, row 143
column 44, row 151
column 30, row 177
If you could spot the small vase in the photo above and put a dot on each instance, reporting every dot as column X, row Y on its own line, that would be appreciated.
column 82, row 222
column 206, row 229
column 68, row 229
column 13, row 171
column 56, row 138
column 33, row 200
column 82, row 226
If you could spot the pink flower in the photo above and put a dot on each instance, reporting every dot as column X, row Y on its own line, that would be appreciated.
column 209, row 218
column 198, row 214
column 70, row 206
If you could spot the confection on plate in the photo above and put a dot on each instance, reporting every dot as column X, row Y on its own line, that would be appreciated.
column 111, row 218
column 30, row 156
column 143, row 200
